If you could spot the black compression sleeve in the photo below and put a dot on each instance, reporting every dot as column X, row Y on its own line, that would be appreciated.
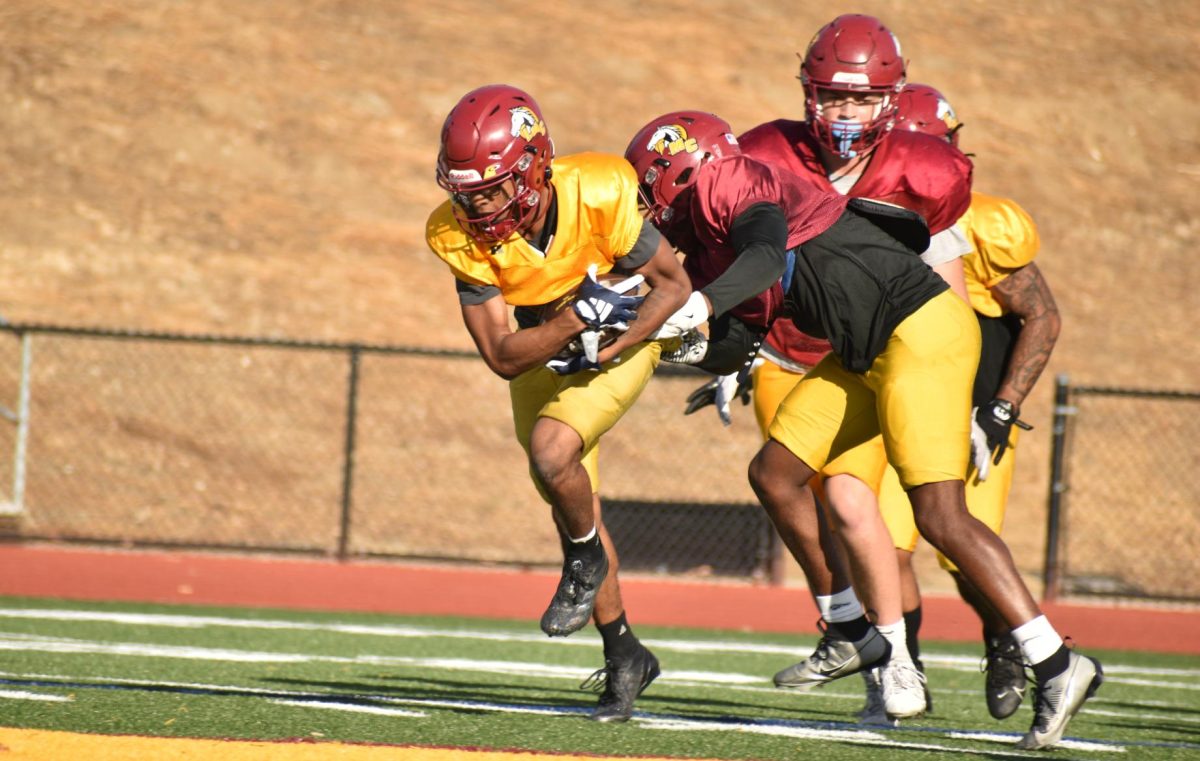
column 759, row 236
column 643, row 249
column 470, row 294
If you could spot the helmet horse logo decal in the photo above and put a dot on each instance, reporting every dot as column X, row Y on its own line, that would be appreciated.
column 947, row 115
column 525, row 123
column 670, row 140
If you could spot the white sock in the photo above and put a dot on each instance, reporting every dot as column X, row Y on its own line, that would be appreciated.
column 897, row 636
column 840, row 606
column 1037, row 639
column 590, row 535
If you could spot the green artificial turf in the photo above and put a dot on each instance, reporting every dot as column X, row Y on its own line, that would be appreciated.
column 176, row 671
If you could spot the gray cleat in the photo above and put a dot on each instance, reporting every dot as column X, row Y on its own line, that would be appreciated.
column 1056, row 701
column 834, row 658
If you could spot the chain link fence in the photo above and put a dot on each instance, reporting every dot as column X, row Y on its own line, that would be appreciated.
column 1124, row 517
column 160, row 440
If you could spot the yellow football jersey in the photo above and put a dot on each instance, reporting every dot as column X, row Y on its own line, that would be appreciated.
column 598, row 223
column 1003, row 240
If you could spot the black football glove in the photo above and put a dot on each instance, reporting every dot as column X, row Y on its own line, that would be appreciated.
column 996, row 419
column 571, row 364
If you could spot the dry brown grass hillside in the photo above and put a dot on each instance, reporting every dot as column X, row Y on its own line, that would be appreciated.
column 266, row 167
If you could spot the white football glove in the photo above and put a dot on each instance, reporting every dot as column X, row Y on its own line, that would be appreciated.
column 692, row 314
column 981, row 454
column 720, row 392
column 591, row 344
column 727, row 386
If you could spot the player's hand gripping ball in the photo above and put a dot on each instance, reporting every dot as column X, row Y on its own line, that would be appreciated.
column 607, row 303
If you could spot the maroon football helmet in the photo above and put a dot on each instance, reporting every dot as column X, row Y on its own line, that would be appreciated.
column 667, row 152
column 495, row 134
column 921, row 108
column 852, row 54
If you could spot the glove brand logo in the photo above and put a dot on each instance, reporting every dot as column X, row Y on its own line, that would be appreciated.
column 1002, row 409
column 525, row 123
column 671, row 140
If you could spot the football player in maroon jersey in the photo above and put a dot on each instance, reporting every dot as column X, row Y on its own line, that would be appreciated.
column 852, row 74
column 904, row 350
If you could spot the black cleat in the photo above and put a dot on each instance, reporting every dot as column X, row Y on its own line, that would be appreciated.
column 1005, row 683
column 622, row 679
column 571, row 608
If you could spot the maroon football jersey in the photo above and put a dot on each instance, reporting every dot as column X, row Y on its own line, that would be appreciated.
column 909, row 169
column 725, row 188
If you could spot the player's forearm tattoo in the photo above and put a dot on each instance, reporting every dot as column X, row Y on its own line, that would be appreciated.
column 1026, row 294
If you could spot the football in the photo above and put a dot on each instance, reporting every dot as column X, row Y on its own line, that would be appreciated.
column 630, row 285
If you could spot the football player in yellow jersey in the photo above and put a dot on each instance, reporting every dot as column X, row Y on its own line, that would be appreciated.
column 1019, row 322
column 526, row 229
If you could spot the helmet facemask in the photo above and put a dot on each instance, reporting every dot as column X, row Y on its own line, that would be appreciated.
column 667, row 152
column 495, row 141
column 513, row 216
column 850, row 138
column 660, row 197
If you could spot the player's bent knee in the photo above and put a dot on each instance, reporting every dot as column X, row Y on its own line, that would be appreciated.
column 551, row 467
column 762, row 480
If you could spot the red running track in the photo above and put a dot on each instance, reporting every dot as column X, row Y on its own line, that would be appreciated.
column 315, row 584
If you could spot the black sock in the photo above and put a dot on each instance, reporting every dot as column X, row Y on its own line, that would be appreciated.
column 619, row 639
column 1052, row 666
column 999, row 638
column 853, row 630
column 912, row 630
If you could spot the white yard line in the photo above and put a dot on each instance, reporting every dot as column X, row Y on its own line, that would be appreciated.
column 1067, row 744
column 70, row 646
column 380, row 706
column 23, row 695
column 955, row 662
column 862, row 737
column 351, row 707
